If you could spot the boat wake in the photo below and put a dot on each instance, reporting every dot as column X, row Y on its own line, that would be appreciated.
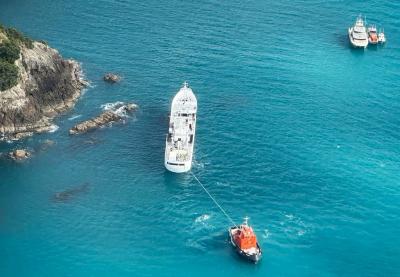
column 198, row 165
column 202, row 218
column 294, row 226
column 203, row 221
column 265, row 235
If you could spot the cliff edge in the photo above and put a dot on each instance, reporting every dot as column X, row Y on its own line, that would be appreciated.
column 45, row 86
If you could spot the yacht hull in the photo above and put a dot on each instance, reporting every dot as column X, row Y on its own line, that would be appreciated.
column 178, row 167
column 357, row 43
column 179, row 143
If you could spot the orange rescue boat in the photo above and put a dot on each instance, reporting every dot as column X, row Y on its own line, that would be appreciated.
column 245, row 242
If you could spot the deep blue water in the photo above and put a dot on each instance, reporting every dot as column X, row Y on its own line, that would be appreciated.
column 295, row 129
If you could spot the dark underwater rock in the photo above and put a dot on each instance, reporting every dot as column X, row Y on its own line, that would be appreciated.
column 69, row 194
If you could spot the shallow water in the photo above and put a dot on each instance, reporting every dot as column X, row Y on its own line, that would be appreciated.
column 295, row 129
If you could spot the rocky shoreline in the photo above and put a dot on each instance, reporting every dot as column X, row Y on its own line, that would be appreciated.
column 47, row 86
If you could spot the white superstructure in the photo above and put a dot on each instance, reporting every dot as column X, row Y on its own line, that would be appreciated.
column 358, row 34
column 181, row 132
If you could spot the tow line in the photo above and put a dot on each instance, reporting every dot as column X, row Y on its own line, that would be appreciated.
column 213, row 199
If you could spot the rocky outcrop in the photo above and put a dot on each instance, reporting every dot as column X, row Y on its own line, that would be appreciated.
column 47, row 86
column 19, row 154
column 111, row 78
column 116, row 113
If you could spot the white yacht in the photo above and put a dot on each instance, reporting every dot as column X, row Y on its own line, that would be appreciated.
column 358, row 34
column 181, row 132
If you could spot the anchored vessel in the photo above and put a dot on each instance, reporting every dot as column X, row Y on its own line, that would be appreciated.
column 358, row 34
column 381, row 36
column 372, row 35
column 181, row 132
column 245, row 242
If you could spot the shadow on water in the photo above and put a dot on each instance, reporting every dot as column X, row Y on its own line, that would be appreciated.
column 204, row 243
column 342, row 40
column 153, row 129
column 358, row 52
column 70, row 193
column 84, row 140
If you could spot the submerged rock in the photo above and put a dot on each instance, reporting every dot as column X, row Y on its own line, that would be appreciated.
column 19, row 154
column 111, row 78
column 70, row 193
column 114, row 114
column 45, row 145
column 48, row 142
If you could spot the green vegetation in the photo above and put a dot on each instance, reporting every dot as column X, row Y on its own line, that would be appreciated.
column 9, row 52
column 11, row 42
column 8, row 75
column 16, row 37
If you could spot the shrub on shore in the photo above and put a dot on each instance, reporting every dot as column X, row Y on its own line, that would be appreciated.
column 18, row 38
column 9, row 52
column 10, row 48
column 8, row 75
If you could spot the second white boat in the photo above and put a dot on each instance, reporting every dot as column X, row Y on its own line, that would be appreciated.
column 179, row 143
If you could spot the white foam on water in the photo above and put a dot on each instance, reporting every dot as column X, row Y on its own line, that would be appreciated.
column 265, row 235
column 197, row 164
column 121, row 111
column 301, row 232
column 111, row 106
column 289, row 216
column 293, row 226
column 74, row 117
column 53, row 128
column 202, row 218
column 119, row 108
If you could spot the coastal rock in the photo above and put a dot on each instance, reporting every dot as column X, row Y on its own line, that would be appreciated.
column 111, row 78
column 116, row 113
column 19, row 154
column 94, row 123
column 47, row 86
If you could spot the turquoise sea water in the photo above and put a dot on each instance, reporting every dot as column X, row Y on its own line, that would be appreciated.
column 295, row 129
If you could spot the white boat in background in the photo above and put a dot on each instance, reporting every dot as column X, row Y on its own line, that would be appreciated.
column 179, row 143
column 381, row 36
column 358, row 34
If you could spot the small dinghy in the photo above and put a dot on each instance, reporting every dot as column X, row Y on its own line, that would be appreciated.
column 372, row 35
column 381, row 36
column 245, row 242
